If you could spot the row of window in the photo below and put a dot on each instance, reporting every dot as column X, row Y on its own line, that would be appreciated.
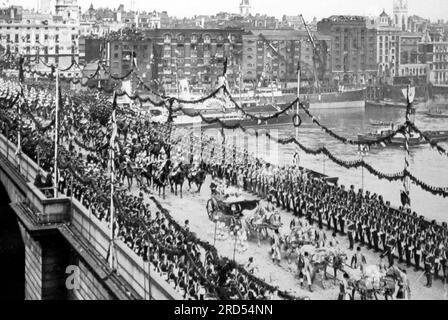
column 27, row 38
column 29, row 28
column 194, row 37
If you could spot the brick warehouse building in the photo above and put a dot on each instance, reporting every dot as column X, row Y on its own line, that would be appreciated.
column 353, row 50
column 275, row 54
column 195, row 54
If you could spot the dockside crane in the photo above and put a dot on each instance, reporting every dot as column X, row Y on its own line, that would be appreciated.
column 315, row 53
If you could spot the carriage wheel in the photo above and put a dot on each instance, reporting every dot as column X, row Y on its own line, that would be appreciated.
column 210, row 209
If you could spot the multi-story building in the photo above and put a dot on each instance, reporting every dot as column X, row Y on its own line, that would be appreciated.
column 195, row 54
column 435, row 55
column 129, row 49
column 409, row 66
column 51, row 38
column 417, row 24
column 387, row 37
column 353, row 49
column 274, row 55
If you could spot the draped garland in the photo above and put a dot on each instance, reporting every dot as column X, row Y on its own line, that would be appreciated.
column 346, row 164
column 433, row 144
column 208, row 247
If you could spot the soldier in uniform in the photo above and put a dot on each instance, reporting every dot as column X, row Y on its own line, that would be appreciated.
column 342, row 218
column 350, row 231
column 375, row 236
column 390, row 251
column 417, row 255
column 429, row 269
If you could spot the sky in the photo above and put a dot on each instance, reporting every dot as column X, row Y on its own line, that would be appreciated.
column 432, row 9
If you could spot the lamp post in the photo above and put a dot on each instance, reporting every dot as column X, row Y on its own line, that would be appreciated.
column 235, row 233
column 363, row 151
column 215, row 220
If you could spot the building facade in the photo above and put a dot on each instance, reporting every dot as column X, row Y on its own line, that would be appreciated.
column 273, row 55
column 387, row 38
column 410, row 68
column 353, row 49
column 195, row 54
column 52, row 39
column 128, row 50
column 435, row 55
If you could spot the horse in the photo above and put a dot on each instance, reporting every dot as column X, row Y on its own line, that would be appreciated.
column 198, row 177
column 147, row 173
column 154, row 149
column 161, row 177
column 127, row 171
column 177, row 178
column 122, row 129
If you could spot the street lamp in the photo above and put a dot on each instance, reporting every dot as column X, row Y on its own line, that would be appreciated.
column 235, row 233
column 215, row 220
column 363, row 151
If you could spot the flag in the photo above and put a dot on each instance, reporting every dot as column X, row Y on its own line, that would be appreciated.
column 298, row 66
column 134, row 59
column 113, row 136
column 409, row 93
column 225, row 67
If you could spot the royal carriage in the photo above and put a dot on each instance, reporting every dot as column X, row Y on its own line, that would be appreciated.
column 226, row 208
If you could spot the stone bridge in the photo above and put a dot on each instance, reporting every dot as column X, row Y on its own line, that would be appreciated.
column 52, row 248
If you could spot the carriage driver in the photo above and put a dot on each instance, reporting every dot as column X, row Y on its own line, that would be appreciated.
column 259, row 216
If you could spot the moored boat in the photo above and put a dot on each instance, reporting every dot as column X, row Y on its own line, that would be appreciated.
column 399, row 139
column 377, row 123
column 436, row 114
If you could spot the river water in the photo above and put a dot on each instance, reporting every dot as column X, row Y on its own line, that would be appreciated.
column 426, row 163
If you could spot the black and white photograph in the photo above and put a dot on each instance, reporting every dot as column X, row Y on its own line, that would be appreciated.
column 240, row 151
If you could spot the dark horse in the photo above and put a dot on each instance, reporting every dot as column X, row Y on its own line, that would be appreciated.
column 197, row 177
column 177, row 178
column 160, row 177
column 154, row 150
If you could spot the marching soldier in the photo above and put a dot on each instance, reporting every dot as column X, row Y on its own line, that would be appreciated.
column 409, row 248
column 429, row 269
column 350, row 232
column 417, row 255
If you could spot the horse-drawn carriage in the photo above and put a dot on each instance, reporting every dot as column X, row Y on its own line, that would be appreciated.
column 373, row 283
column 225, row 208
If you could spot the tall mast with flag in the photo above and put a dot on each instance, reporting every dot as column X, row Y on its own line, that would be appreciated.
column 405, row 197
column 111, row 251
column 56, row 134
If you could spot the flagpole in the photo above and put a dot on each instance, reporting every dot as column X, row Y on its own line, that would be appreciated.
column 19, row 137
column 406, row 146
column 298, row 96
column 112, row 181
column 56, row 136
column 19, row 114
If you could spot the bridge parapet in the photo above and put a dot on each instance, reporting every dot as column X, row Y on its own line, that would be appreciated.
column 42, row 210
column 46, row 218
